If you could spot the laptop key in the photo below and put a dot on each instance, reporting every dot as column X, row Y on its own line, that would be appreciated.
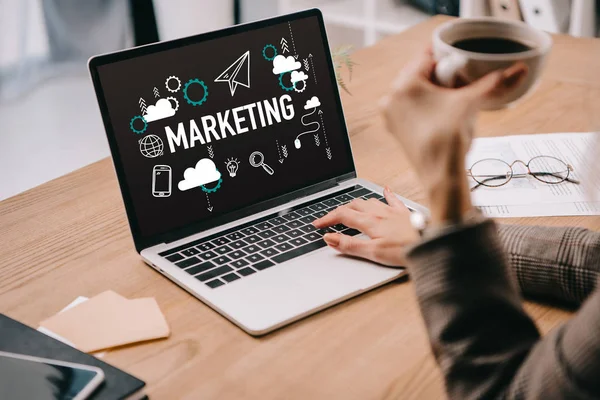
column 294, row 224
column 280, row 238
column 267, row 234
column 189, row 262
column 350, row 232
column 318, row 207
column 205, row 246
column 263, row 265
column 331, row 202
column 308, row 228
column 266, row 243
column 291, row 216
column 236, row 254
column 269, row 252
column 213, row 273
column 190, row 252
column 298, row 241
column 223, row 249
column 320, row 214
column 174, row 257
column 253, row 239
column 230, row 277
column 359, row 193
column 215, row 284
column 263, row 225
column 305, row 211
column 239, row 263
column 339, row 227
column 254, row 258
column 284, row 247
column 221, row 260
column 372, row 196
column 246, row 271
column 281, row 228
column 249, row 231
column 238, row 244
column 208, row 255
column 196, row 269
column 344, row 198
column 311, row 237
column 308, row 219
column 323, row 231
column 295, row 233
column 251, row 249
column 276, row 221
column 235, row 236
column 221, row 241
column 299, row 251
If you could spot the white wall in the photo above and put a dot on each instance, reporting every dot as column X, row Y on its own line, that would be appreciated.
column 179, row 18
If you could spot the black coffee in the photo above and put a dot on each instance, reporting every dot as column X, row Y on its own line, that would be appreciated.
column 491, row 45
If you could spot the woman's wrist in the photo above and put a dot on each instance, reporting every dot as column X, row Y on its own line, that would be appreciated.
column 449, row 200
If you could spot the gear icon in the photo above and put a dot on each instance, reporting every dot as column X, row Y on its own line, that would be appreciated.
column 212, row 190
column 185, row 92
column 296, row 87
column 176, row 102
column 138, row 131
column 286, row 88
column 176, row 79
column 264, row 52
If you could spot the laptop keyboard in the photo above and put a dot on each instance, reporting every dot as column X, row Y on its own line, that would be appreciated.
column 253, row 247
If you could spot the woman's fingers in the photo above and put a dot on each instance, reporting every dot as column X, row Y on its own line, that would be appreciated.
column 344, row 215
column 391, row 199
column 350, row 245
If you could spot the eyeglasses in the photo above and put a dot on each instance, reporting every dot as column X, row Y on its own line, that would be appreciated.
column 492, row 172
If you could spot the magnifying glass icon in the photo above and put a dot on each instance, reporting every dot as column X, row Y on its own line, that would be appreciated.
column 258, row 156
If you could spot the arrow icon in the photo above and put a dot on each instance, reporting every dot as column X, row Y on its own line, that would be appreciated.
column 210, row 207
column 284, row 45
column 142, row 104
column 281, row 160
column 310, row 56
column 156, row 94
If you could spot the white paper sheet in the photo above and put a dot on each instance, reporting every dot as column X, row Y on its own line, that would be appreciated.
column 528, row 197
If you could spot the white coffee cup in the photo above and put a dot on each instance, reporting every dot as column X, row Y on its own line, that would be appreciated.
column 470, row 66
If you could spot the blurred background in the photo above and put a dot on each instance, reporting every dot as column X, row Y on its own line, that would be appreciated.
column 49, row 119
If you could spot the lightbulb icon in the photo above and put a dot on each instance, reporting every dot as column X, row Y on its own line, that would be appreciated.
column 232, row 165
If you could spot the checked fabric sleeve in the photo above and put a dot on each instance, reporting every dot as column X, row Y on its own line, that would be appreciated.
column 551, row 262
column 485, row 344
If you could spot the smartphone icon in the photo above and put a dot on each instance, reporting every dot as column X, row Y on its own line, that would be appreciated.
column 161, row 181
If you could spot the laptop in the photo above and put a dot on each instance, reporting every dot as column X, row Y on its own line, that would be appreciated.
column 227, row 145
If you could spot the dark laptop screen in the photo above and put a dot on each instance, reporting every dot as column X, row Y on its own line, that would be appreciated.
column 214, row 126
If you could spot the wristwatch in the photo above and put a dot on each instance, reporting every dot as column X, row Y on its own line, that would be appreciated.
column 421, row 223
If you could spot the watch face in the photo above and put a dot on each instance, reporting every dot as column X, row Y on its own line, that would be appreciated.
column 418, row 220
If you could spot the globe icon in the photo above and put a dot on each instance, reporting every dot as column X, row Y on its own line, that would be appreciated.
column 151, row 146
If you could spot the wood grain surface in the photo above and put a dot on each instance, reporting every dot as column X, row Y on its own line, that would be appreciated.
column 70, row 237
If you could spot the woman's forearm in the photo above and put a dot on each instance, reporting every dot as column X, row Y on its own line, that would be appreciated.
column 561, row 263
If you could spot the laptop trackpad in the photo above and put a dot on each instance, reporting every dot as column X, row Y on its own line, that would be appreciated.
column 292, row 289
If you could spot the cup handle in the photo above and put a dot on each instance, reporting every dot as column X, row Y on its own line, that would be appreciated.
column 448, row 67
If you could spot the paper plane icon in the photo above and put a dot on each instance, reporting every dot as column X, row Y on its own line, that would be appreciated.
column 237, row 73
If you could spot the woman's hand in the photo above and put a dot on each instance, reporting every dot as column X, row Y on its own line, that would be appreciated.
column 434, row 125
column 388, row 227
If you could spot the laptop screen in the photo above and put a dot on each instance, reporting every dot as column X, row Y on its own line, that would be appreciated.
column 207, row 127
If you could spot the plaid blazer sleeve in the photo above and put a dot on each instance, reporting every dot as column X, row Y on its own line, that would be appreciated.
column 484, row 342
column 551, row 262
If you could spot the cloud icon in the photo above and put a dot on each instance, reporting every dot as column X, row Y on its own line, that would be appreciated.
column 312, row 103
column 204, row 172
column 283, row 64
column 298, row 76
column 162, row 109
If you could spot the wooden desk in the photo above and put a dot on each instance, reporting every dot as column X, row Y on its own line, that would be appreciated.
column 70, row 237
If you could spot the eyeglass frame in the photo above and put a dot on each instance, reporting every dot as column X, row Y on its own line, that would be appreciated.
column 512, row 172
